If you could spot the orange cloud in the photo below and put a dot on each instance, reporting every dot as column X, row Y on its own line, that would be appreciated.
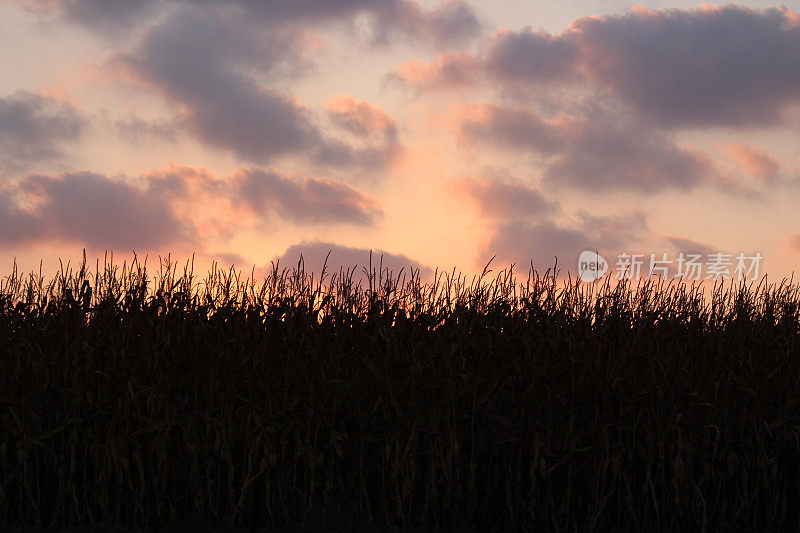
column 359, row 117
column 218, row 206
column 197, row 194
column 753, row 160
column 447, row 71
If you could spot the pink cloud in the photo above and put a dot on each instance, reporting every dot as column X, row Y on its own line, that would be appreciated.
column 175, row 207
column 447, row 71
column 360, row 117
column 503, row 198
column 753, row 160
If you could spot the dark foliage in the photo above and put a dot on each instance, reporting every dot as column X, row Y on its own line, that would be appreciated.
column 488, row 404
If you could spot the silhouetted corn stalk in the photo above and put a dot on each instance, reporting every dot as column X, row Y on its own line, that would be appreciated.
column 487, row 402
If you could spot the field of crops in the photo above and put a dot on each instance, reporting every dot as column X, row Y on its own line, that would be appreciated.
column 134, row 398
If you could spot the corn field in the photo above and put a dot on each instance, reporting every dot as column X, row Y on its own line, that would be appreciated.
column 137, row 399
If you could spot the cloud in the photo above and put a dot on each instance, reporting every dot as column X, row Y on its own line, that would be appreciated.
column 106, row 17
column 36, row 129
column 753, row 160
column 214, row 66
column 196, row 194
column 200, row 59
column 613, row 230
column 304, row 200
column 528, row 56
column 90, row 209
column 723, row 66
column 543, row 241
column 520, row 243
column 228, row 259
column 16, row 224
column 222, row 66
column 448, row 71
column 711, row 66
column 510, row 128
column 500, row 199
column 522, row 227
column 219, row 205
column 688, row 246
column 605, row 151
column 361, row 117
column 135, row 129
column 448, row 23
column 345, row 257
column 175, row 206
column 367, row 122
column 600, row 149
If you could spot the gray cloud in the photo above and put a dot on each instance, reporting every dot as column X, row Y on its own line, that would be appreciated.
column 528, row 56
column 199, row 58
column 110, row 18
column 36, row 128
column 269, row 194
column 90, row 209
column 212, row 64
column 137, row 130
column 607, row 152
column 544, row 241
column 448, row 23
column 304, row 200
column 231, row 259
column 601, row 149
column 711, row 66
column 500, row 199
column 16, row 224
column 167, row 207
column 511, row 128
column 220, row 64
column 729, row 66
column 522, row 226
column 688, row 246
column 345, row 257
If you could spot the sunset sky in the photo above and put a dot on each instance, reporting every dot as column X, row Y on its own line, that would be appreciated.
column 438, row 133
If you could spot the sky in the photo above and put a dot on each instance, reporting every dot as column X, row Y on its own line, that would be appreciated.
column 435, row 134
